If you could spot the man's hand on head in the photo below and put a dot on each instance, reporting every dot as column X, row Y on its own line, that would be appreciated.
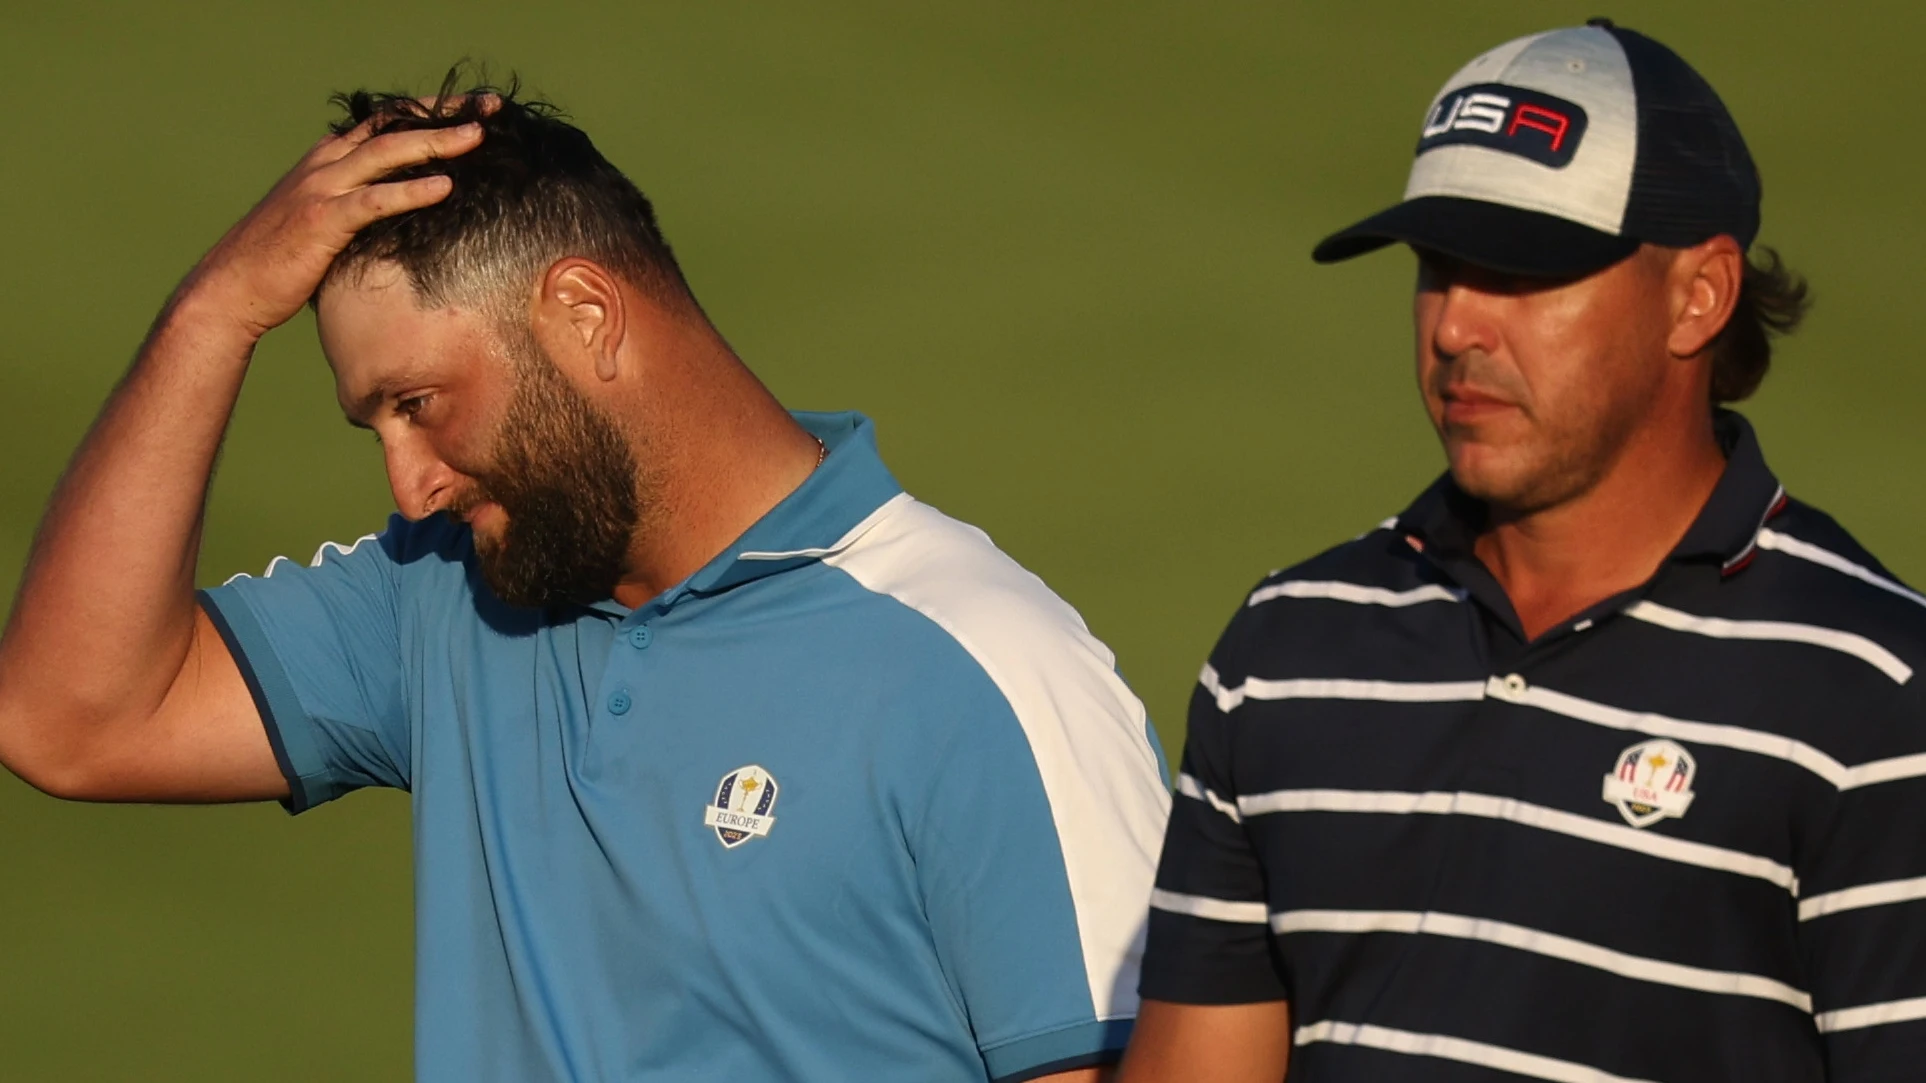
column 272, row 260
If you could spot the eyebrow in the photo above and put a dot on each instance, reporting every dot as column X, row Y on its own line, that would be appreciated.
column 378, row 394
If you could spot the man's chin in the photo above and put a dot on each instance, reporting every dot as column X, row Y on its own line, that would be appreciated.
column 1492, row 474
column 533, row 588
column 1510, row 482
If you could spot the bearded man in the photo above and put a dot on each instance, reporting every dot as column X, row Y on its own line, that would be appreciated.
column 728, row 758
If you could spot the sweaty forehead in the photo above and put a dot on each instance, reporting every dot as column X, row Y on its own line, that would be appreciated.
column 377, row 336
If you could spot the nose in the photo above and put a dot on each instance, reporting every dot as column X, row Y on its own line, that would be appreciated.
column 1464, row 321
column 421, row 482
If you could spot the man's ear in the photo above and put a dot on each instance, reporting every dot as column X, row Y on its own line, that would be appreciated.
column 1704, row 284
column 580, row 315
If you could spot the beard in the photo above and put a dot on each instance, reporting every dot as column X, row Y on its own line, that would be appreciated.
column 567, row 481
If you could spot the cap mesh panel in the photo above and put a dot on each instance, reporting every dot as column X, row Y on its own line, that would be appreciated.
column 1694, row 178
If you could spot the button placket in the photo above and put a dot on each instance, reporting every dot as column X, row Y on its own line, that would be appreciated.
column 620, row 700
column 1511, row 687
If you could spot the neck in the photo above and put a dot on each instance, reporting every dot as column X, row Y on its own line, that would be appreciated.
column 1559, row 561
column 721, row 453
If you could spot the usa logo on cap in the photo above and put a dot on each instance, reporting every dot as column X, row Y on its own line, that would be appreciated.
column 1558, row 154
column 1511, row 119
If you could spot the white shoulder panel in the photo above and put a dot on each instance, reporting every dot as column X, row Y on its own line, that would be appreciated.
column 1085, row 727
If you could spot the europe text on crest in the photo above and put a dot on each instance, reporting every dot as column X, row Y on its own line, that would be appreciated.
column 1653, row 781
column 744, row 806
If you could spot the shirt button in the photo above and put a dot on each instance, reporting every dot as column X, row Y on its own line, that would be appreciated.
column 619, row 702
column 640, row 637
column 1514, row 685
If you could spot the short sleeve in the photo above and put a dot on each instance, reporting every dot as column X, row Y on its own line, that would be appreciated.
column 1034, row 856
column 1210, row 937
column 319, row 649
column 1862, row 928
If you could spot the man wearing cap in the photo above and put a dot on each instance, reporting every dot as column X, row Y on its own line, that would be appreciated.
column 1605, row 761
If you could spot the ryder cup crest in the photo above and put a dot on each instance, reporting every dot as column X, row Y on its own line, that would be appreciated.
column 743, row 807
column 1653, row 781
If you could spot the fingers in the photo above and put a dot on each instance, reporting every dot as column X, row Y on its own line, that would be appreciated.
column 488, row 102
column 376, row 201
column 333, row 148
column 390, row 151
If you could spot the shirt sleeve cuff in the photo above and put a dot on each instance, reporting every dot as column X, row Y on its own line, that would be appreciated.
column 280, row 708
column 1066, row 1049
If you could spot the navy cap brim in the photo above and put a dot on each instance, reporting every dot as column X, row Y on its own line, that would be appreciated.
column 1489, row 235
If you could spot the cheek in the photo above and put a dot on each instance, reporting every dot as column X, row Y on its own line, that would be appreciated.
column 1425, row 311
column 1597, row 376
column 467, row 440
column 1558, row 357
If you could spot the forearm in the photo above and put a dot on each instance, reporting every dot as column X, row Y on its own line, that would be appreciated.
column 105, row 612
column 112, row 687
column 1209, row 1043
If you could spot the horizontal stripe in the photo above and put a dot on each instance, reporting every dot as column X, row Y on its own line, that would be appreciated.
column 1805, row 550
column 1382, row 691
column 1355, row 593
column 1461, row 1050
column 1602, row 714
column 1871, row 1015
column 1658, row 725
column 1858, row 898
column 1776, row 631
column 1512, row 810
column 1190, row 787
column 1551, row 945
column 1229, row 699
column 1713, row 733
column 1203, row 906
column 1893, row 770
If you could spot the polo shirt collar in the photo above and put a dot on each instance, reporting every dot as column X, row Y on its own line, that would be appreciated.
column 1747, row 495
column 824, row 515
column 1444, row 521
column 818, row 519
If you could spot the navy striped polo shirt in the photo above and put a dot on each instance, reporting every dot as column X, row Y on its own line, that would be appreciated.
column 1680, row 837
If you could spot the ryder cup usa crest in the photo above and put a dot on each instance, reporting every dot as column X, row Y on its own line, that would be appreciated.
column 1653, row 781
column 744, row 806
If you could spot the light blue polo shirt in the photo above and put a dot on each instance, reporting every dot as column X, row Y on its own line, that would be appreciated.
column 860, row 800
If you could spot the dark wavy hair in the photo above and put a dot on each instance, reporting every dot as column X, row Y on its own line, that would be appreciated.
column 1773, row 300
column 534, row 191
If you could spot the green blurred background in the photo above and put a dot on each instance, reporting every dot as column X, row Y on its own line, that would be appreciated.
column 1057, row 251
